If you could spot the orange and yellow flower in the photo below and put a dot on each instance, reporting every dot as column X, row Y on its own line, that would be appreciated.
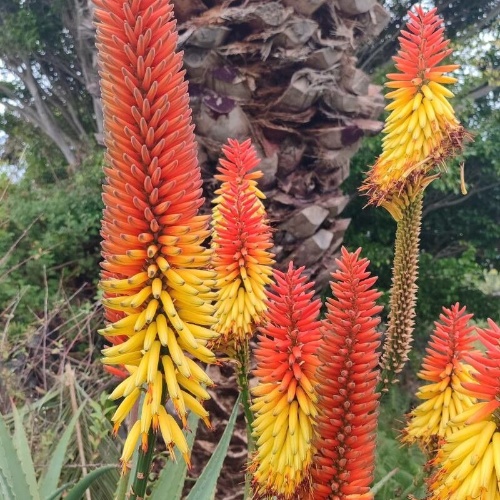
column 445, row 369
column 285, row 397
column 422, row 132
column 241, row 242
column 344, row 462
column 469, row 461
column 157, row 294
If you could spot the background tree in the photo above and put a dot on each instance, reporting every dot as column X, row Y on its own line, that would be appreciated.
column 45, row 76
column 464, row 19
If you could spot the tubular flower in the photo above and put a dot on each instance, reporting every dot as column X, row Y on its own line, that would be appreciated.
column 241, row 241
column 285, row 398
column 444, row 368
column 156, row 294
column 470, row 460
column 422, row 132
column 347, row 377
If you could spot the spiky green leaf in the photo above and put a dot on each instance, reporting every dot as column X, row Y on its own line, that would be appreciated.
column 56, row 495
column 24, row 453
column 49, row 481
column 207, row 482
column 12, row 478
column 77, row 492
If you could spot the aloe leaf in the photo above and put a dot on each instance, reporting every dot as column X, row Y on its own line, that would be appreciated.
column 172, row 477
column 11, row 473
column 24, row 453
column 78, row 490
column 30, row 408
column 5, row 483
column 207, row 482
column 56, row 494
column 49, row 481
column 121, row 487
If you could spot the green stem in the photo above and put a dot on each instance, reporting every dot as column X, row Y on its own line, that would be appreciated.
column 243, row 369
column 138, row 491
column 245, row 393
column 403, row 293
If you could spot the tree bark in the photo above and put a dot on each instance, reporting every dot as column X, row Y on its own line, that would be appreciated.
column 47, row 123
column 78, row 17
column 285, row 74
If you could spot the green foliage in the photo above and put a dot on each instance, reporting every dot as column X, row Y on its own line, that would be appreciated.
column 31, row 155
column 447, row 280
column 403, row 464
column 22, row 34
column 78, row 490
column 49, row 481
column 453, row 221
column 17, row 473
column 32, row 27
column 61, row 246
column 206, row 484
column 13, row 481
column 23, row 452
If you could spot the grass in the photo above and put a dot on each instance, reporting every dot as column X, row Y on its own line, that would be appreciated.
column 400, row 467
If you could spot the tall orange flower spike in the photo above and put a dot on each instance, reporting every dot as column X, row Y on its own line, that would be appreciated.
column 422, row 132
column 444, row 367
column 241, row 243
column 344, row 463
column 157, row 296
column 469, row 461
column 285, row 398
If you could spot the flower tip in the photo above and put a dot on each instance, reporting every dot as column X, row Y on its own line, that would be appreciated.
column 116, row 371
column 207, row 422
column 144, row 442
column 126, row 466
column 422, row 123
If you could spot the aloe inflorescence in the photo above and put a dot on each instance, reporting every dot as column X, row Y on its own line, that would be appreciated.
column 157, row 288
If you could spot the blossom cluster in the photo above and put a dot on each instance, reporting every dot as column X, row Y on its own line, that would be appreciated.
column 422, row 132
column 171, row 299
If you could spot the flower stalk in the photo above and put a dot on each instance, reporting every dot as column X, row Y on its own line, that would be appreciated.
column 422, row 134
column 243, row 358
column 240, row 241
column 403, row 293
column 144, row 461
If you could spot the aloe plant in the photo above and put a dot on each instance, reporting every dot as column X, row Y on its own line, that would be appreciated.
column 17, row 472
